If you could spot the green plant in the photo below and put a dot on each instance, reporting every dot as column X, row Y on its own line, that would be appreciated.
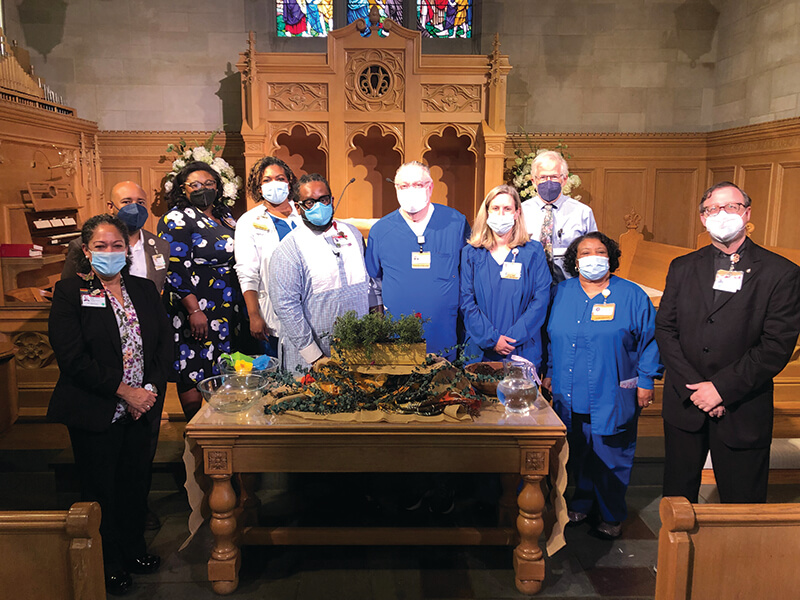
column 350, row 332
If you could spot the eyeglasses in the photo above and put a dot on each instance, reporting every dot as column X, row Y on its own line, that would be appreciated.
column 309, row 203
column 417, row 185
column 196, row 185
column 734, row 208
column 548, row 177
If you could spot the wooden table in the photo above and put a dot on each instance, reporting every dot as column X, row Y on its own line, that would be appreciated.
column 252, row 442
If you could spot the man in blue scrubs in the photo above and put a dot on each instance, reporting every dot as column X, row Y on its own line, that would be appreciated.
column 416, row 250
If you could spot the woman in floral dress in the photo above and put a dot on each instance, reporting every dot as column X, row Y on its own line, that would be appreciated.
column 201, row 292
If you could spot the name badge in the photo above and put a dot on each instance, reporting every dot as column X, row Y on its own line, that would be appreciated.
column 158, row 262
column 511, row 270
column 261, row 226
column 728, row 281
column 96, row 299
column 603, row 312
column 420, row 260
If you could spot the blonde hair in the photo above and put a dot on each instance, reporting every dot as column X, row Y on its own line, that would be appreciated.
column 549, row 159
column 483, row 236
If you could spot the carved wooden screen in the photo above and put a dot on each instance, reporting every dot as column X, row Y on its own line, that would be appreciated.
column 372, row 102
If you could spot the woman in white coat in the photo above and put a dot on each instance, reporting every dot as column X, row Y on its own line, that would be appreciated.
column 258, row 233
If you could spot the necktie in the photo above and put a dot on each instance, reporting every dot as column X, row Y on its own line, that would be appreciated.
column 546, row 236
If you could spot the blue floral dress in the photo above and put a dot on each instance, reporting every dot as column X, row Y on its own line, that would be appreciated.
column 200, row 263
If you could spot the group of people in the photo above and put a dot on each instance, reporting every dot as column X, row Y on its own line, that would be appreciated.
column 533, row 279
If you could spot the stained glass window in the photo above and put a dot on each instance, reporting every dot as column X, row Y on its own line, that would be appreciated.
column 359, row 9
column 305, row 18
column 445, row 18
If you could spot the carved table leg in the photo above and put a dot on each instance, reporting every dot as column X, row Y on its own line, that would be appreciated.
column 528, row 561
column 223, row 566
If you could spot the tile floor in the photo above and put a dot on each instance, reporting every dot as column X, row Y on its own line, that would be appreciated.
column 35, row 471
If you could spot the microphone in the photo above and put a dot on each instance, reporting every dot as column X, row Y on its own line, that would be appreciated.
column 346, row 185
column 390, row 180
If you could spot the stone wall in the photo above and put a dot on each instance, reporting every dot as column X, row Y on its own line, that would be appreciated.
column 579, row 65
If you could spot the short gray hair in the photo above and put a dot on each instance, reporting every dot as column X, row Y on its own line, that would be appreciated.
column 547, row 158
column 414, row 163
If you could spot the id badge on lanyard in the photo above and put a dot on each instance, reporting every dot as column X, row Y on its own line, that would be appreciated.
column 604, row 311
column 421, row 259
column 730, row 280
column 512, row 270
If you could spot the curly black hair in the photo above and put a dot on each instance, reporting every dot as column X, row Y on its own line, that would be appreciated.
column 571, row 254
column 308, row 178
column 177, row 199
column 257, row 172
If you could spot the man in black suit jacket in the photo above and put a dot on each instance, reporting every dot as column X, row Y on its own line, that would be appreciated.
column 727, row 324
column 149, row 253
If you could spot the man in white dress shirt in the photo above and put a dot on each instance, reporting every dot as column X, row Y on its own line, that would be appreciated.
column 553, row 218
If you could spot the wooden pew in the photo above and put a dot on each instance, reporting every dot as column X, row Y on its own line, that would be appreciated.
column 52, row 554
column 727, row 551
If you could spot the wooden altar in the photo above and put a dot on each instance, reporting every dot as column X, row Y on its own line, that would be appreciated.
column 372, row 102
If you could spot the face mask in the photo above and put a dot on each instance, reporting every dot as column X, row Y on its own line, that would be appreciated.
column 203, row 198
column 593, row 267
column 320, row 215
column 109, row 264
column 500, row 224
column 549, row 190
column 275, row 192
column 133, row 215
column 413, row 199
column 724, row 227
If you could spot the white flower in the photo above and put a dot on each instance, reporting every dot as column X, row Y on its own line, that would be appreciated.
column 202, row 303
column 200, row 153
column 178, row 164
column 176, row 322
column 168, row 186
column 195, row 280
column 214, row 324
column 229, row 245
column 187, row 154
column 229, row 189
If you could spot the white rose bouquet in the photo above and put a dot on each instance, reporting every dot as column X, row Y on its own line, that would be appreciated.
column 231, row 183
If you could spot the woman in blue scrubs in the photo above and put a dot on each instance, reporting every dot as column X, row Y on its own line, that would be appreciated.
column 603, row 360
column 505, row 283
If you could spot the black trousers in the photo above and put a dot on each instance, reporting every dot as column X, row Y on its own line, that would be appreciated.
column 114, row 470
column 741, row 473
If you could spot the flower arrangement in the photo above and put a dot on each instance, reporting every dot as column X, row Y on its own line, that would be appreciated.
column 520, row 173
column 206, row 152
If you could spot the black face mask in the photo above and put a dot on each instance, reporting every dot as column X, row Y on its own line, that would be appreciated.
column 203, row 198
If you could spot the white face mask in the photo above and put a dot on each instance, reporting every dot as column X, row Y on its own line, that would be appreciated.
column 500, row 224
column 413, row 200
column 275, row 192
column 593, row 267
column 724, row 227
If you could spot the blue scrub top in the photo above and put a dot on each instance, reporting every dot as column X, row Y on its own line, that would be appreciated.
column 432, row 292
column 616, row 351
column 492, row 306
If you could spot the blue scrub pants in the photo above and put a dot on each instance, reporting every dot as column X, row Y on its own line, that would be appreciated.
column 599, row 467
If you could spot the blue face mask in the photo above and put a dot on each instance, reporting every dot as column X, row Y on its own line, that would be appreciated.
column 593, row 267
column 133, row 215
column 549, row 190
column 320, row 215
column 109, row 264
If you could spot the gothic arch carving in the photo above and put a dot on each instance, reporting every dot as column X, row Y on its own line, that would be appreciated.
column 276, row 129
column 462, row 129
column 394, row 130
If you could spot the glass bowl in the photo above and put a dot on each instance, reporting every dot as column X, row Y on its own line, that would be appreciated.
column 233, row 393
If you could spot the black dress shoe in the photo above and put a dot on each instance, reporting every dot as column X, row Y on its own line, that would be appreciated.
column 147, row 563
column 118, row 583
